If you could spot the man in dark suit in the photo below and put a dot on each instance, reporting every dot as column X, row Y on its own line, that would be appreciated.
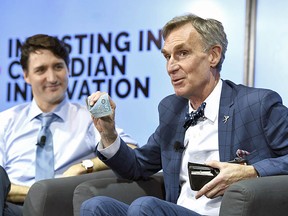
column 6, row 209
column 228, row 121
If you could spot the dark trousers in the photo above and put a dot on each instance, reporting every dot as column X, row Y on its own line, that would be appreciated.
column 7, row 209
column 142, row 206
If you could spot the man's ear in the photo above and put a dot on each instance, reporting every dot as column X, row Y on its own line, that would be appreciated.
column 26, row 76
column 215, row 55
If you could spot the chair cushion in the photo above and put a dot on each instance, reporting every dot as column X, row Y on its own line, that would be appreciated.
column 256, row 197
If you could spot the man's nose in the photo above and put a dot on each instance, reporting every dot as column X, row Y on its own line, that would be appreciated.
column 51, row 76
column 172, row 65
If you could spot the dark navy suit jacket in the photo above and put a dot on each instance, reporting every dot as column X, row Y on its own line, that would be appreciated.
column 258, row 123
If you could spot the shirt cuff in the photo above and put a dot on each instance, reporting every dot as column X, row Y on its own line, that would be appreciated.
column 111, row 150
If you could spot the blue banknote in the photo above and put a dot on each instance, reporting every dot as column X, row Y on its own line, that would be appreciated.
column 101, row 108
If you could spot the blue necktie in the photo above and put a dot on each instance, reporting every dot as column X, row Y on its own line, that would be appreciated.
column 44, row 152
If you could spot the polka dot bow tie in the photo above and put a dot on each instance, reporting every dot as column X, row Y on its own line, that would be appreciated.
column 191, row 119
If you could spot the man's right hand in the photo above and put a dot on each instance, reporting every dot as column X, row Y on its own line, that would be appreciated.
column 105, row 125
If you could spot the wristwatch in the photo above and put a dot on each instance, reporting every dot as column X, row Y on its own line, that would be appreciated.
column 88, row 165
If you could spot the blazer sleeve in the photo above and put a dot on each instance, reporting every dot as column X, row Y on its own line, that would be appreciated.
column 274, row 121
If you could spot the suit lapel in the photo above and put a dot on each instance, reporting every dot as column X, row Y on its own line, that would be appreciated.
column 225, row 122
column 179, row 137
column 177, row 154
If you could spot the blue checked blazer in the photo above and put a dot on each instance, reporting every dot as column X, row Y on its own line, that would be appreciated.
column 258, row 123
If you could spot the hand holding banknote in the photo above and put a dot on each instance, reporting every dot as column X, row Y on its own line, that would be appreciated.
column 102, row 110
column 101, row 107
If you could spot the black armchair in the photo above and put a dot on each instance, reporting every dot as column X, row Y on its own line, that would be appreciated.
column 120, row 189
column 54, row 197
column 254, row 197
column 257, row 197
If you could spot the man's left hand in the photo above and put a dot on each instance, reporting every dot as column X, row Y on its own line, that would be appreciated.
column 229, row 173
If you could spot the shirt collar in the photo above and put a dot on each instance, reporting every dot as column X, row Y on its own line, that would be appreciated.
column 61, row 110
column 212, row 103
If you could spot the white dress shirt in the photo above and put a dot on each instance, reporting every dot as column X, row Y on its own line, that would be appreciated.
column 201, row 144
column 74, row 138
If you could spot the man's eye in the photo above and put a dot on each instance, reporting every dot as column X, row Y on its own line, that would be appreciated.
column 59, row 67
column 167, row 57
column 182, row 53
column 39, row 70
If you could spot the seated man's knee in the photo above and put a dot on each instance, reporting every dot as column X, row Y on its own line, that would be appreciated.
column 101, row 205
column 142, row 206
column 94, row 205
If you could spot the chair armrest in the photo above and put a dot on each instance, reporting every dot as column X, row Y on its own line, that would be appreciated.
column 122, row 190
column 55, row 196
column 256, row 197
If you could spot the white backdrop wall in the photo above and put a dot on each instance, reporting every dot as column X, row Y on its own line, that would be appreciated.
column 271, row 47
column 115, row 47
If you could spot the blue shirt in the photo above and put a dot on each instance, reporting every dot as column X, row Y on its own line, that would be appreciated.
column 74, row 138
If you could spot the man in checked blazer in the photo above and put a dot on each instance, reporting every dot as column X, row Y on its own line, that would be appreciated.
column 239, row 122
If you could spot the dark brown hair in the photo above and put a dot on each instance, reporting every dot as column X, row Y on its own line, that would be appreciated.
column 42, row 41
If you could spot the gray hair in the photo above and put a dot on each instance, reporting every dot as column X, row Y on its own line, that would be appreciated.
column 210, row 30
